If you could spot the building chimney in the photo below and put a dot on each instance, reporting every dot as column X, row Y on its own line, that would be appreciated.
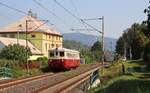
column 30, row 13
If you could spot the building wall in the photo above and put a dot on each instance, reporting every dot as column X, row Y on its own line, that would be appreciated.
column 51, row 41
column 40, row 40
column 36, row 39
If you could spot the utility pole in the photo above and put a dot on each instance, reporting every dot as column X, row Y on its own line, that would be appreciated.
column 94, row 29
column 103, row 50
column 27, row 63
column 28, row 69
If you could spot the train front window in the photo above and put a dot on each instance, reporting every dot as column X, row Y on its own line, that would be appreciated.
column 61, row 54
column 51, row 54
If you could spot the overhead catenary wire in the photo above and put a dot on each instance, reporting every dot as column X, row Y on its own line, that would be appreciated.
column 84, row 25
column 50, row 12
column 20, row 11
column 15, row 9
column 12, row 8
column 46, row 9
column 66, row 10
column 76, row 17
column 73, row 4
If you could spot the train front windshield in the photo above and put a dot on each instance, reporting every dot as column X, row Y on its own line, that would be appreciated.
column 56, row 54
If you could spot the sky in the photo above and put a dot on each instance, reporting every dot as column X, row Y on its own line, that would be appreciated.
column 118, row 14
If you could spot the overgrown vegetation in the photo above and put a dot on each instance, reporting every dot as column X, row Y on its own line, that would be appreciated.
column 43, row 61
column 16, row 69
column 15, row 52
column 125, row 84
column 96, row 50
column 136, row 78
column 146, row 55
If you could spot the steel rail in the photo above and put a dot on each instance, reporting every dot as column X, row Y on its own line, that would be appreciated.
column 22, row 80
column 63, row 86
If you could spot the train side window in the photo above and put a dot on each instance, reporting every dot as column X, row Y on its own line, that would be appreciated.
column 51, row 54
column 61, row 54
column 56, row 53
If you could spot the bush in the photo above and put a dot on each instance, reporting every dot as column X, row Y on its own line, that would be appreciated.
column 43, row 60
column 46, row 69
column 9, row 63
column 14, row 66
column 15, row 52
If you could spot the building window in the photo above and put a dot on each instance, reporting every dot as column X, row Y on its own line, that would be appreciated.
column 52, row 45
column 49, row 37
column 4, row 35
column 32, row 36
column 57, row 45
column 12, row 36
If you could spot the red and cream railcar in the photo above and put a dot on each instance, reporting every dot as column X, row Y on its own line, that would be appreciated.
column 62, row 58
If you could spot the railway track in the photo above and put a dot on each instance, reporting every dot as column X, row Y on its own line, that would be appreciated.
column 49, row 83
column 22, row 80
column 67, row 85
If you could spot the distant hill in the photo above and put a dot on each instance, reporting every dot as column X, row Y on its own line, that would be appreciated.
column 89, row 40
column 72, row 44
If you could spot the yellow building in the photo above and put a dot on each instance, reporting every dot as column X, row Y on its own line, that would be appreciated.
column 35, row 31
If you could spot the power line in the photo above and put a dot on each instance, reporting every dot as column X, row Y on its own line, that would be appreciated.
column 73, row 4
column 66, row 10
column 17, row 10
column 85, row 26
column 46, row 9
column 12, row 8
column 50, row 12
column 76, row 17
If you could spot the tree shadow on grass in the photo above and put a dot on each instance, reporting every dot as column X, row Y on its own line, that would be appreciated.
column 127, row 86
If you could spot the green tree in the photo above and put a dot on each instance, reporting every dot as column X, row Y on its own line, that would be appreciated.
column 138, row 45
column 15, row 52
column 96, row 50
column 146, row 55
column 147, row 22
column 120, row 46
column 87, row 55
column 135, row 41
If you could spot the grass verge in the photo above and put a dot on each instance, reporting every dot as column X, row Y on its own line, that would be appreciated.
column 124, row 84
